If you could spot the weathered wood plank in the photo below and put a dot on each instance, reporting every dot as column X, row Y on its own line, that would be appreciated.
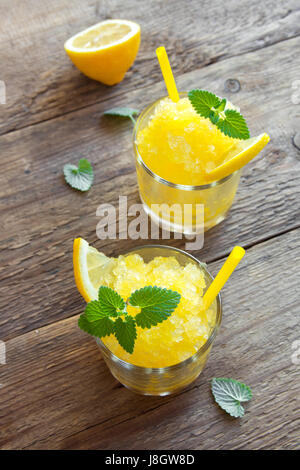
column 41, row 82
column 57, row 393
column 41, row 215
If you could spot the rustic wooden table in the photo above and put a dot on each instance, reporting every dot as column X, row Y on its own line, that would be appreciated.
column 56, row 391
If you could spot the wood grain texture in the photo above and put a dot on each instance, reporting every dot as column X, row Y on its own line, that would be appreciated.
column 41, row 214
column 55, row 391
column 58, row 393
column 42, row 83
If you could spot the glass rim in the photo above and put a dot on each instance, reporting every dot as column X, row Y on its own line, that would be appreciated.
column 200, row 351
column 183, row 187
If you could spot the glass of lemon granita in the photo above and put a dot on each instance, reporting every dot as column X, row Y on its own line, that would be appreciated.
column 170, row 355
column 173, row 147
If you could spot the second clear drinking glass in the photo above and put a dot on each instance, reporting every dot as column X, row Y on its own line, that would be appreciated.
column 164, row 380
column 159, row 195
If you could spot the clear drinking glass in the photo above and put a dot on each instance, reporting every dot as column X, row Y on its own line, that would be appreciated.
column 164, row 380
column 215, row 198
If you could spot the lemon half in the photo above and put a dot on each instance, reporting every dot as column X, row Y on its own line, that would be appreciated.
column 105, row 51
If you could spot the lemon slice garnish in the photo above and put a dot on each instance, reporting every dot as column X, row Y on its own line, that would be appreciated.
column 238, row 156
column 91, row 269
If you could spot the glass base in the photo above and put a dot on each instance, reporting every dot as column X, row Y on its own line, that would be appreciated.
column 154, row 393
column 179, row 228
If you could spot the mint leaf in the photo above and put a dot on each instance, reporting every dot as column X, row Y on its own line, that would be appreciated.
column 203, row 101
column 156, row 304
column 79, row 177
column 99, row 328
column 214, row 116
column 222, row 105
column 122, row 112
column 153, row 295
column 228, row 121
column 103, row 317
column 110, row 302
column 125, row 332
column 93, row 311
column 233, row 125
column 229, row 394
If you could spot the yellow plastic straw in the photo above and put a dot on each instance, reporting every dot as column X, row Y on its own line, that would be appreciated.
column 223, row 275
column 167, row 73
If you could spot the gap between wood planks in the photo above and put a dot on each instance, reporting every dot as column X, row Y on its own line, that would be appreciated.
column 212, row 61
column 258, row 242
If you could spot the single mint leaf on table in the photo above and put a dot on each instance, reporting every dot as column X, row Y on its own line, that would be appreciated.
column 79, row 177
column 125, row 332
column 229, row 393
column 122, row 112
column 99, row 328
column 156, row 304
column 228, row 121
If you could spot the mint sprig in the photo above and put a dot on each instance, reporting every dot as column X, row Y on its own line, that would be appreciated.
column 228, row 121
column 229, row 394
column 122, row 112
column 79, row 177
column 108, row 315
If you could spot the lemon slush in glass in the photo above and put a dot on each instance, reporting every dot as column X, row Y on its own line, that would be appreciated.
column 190, row 149
column 170, row 355
column 174, row 148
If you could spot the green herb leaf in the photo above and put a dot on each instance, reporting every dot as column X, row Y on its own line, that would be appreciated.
column 222, row 105
column 203, row 101
column 228, row 121
column 93, row 311
column 233, row 125
column 229, row 394
column 122, row 112
column 103, row 317
column 214, row 116
column 99, row 328
column 125, row 332
column 79, row 177
column 156, row 304
column 110, row 302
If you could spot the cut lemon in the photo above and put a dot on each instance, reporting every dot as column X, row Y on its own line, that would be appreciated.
column 238, row 156
column 91, row 269
column 106, row 50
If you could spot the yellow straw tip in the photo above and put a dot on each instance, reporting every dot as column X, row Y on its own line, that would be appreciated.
column 238, row 252
column 160, row 50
